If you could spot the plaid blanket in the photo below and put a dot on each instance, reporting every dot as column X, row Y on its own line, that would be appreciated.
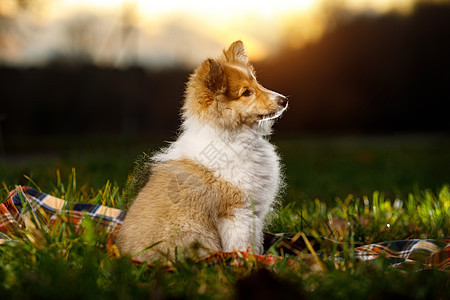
column 24, row 203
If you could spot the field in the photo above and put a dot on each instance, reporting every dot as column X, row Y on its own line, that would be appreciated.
column 387, row 188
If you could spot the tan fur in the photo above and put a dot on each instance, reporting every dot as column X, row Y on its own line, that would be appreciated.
column 224, row 106
column 183, row 201
column 169, row 210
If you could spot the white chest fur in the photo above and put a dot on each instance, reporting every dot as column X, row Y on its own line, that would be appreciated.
column 245, row 159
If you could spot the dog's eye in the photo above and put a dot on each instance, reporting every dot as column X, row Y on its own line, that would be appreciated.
column 247, row 93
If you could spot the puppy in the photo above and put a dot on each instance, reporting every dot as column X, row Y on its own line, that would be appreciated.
column 212, row 188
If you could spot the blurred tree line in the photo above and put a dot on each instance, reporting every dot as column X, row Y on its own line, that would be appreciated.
column 61, row 99
column 367, row 74
column 370, row 73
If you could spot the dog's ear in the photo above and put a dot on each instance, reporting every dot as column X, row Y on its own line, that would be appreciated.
column 236, row 52
column 216, row 80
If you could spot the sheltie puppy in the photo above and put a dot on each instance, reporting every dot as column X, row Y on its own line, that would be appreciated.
column 212, row 188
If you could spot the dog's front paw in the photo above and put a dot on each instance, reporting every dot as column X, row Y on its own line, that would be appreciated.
column 258, row 249
column 243, row 233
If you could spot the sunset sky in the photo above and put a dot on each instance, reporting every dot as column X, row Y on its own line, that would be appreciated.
column 169, row 32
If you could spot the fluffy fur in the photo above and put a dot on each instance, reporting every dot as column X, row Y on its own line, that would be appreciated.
column 212, row 188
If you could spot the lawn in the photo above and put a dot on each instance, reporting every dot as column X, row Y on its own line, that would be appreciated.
column 384, row 188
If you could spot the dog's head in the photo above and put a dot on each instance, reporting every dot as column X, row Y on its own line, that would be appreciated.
column 224, row 92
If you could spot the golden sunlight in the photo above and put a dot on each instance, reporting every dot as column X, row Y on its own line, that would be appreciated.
column 263, row 25
column 170, row 31
column 214, row 9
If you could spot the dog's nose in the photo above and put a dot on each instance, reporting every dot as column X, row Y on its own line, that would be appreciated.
column 282, row 101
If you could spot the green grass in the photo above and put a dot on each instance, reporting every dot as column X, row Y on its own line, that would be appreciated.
column 323, row 168
column 361, row 185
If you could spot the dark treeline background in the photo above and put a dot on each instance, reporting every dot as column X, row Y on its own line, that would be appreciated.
column 367, row 74
column 371, row 74
column 88, row 99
